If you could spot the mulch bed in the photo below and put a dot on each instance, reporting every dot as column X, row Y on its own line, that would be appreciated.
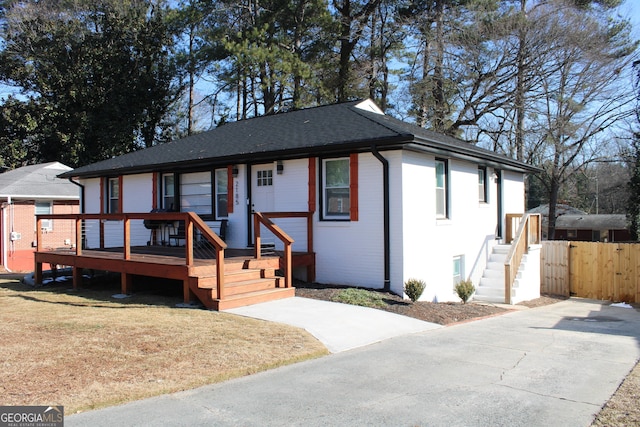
column 444, row 313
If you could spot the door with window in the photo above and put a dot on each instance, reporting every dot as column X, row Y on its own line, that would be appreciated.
column 262, row 188
column 262, row 197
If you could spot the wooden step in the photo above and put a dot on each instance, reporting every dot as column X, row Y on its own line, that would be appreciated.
column 250, row 286
column 210, row 282
column 256, row 297
column 233, row 264
column 264, row 262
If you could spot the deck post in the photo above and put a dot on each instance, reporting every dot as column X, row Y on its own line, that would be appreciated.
column 287, row 265
column 187, row 295
column 77, row 277
column 311, row 272
column 256, row 235
column 188, row 243
column 37, row 273
column 127, row 238
column 78, row 236
column 126, row 283
column 220, row 273
column 310, row 232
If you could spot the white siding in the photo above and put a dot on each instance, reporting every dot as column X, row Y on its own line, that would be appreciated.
column 291, row 190
column 352, row 252
column 237, row 220
column 92, row 205
column 429, row 245
column 137, row 197
column 513, row 191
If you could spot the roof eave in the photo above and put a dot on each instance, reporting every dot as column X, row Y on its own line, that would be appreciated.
column 259, row 157
column 485, row 158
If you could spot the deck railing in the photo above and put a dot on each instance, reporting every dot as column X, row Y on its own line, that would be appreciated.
column 528, row 232
column 190, row 219
column 260, row 218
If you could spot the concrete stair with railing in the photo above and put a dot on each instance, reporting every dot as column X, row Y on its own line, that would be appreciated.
column 527, row 282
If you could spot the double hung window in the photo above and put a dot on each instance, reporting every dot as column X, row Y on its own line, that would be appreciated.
column 336, row 185
column 113, row 195
column 222, row 190
column 442, row 189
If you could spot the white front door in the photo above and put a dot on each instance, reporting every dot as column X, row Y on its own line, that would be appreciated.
column 262, row 196
column 262, row 188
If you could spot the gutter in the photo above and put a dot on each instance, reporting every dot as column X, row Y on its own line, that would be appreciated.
column 386, row 215
column 81, row 193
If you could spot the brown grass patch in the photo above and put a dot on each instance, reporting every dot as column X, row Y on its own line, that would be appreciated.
column 85, row 350
column 623, row 408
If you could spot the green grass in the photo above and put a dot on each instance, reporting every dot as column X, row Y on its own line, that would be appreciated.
column 360, row 297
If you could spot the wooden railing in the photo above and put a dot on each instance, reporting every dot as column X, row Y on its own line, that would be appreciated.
column 528, row 232
column 263, row 218
column 190, row 219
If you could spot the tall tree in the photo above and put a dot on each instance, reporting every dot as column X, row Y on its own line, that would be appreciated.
column 580, row 96
column 633, row 160
column 99, row 73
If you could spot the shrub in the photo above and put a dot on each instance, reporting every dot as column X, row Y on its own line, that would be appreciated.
column 414, row 288
column 465, row 289
column 360, row 297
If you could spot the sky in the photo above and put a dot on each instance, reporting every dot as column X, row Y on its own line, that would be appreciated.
column 629, row 9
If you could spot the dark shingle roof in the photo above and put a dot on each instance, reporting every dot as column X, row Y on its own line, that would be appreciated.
column 38, row 182
column 337, row 128
column 593, row 222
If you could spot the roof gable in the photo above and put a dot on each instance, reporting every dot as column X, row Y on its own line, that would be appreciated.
column 38, row 182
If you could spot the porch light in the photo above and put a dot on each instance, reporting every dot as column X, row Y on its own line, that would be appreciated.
column 234, row 171
column 279, row 167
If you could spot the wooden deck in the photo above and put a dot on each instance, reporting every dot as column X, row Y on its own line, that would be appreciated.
column 217, row 276
column 247, row 280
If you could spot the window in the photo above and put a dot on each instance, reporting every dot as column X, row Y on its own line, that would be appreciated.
column 572, row 234
column 442, row 190
column 168, row 192
column 113, row 195
column 482, row 184
column 196, row 193
column 222, row 195
column 265, row 178
column 458, row 269
column 337, row 193
column 44, row 208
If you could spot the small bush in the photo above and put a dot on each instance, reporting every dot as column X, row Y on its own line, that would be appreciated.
column 360, row 297
column 414, row 288
column 465, row 289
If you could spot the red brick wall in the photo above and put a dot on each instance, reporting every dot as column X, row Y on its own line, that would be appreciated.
column 20, row 252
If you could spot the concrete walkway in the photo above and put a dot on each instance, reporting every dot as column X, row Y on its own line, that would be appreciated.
column 550, row 366
column 339, row 327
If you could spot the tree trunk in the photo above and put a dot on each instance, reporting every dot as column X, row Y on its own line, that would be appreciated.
column 346, row 47
column 520, row 83
column 438, row 71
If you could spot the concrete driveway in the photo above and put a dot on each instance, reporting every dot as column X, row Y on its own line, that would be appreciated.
column 549, row 366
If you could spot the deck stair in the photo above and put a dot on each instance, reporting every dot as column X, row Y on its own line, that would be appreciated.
column 247, row 281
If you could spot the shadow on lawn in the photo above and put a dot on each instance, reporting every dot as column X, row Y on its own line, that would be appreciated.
column 101, row 287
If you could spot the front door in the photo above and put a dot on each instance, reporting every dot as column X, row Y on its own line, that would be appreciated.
column 262, row 197
column 262, row 188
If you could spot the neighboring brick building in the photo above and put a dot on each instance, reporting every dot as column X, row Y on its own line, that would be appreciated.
column 25, row 192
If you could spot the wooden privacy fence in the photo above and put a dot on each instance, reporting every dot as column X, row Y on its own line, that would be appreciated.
column 605, row 271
